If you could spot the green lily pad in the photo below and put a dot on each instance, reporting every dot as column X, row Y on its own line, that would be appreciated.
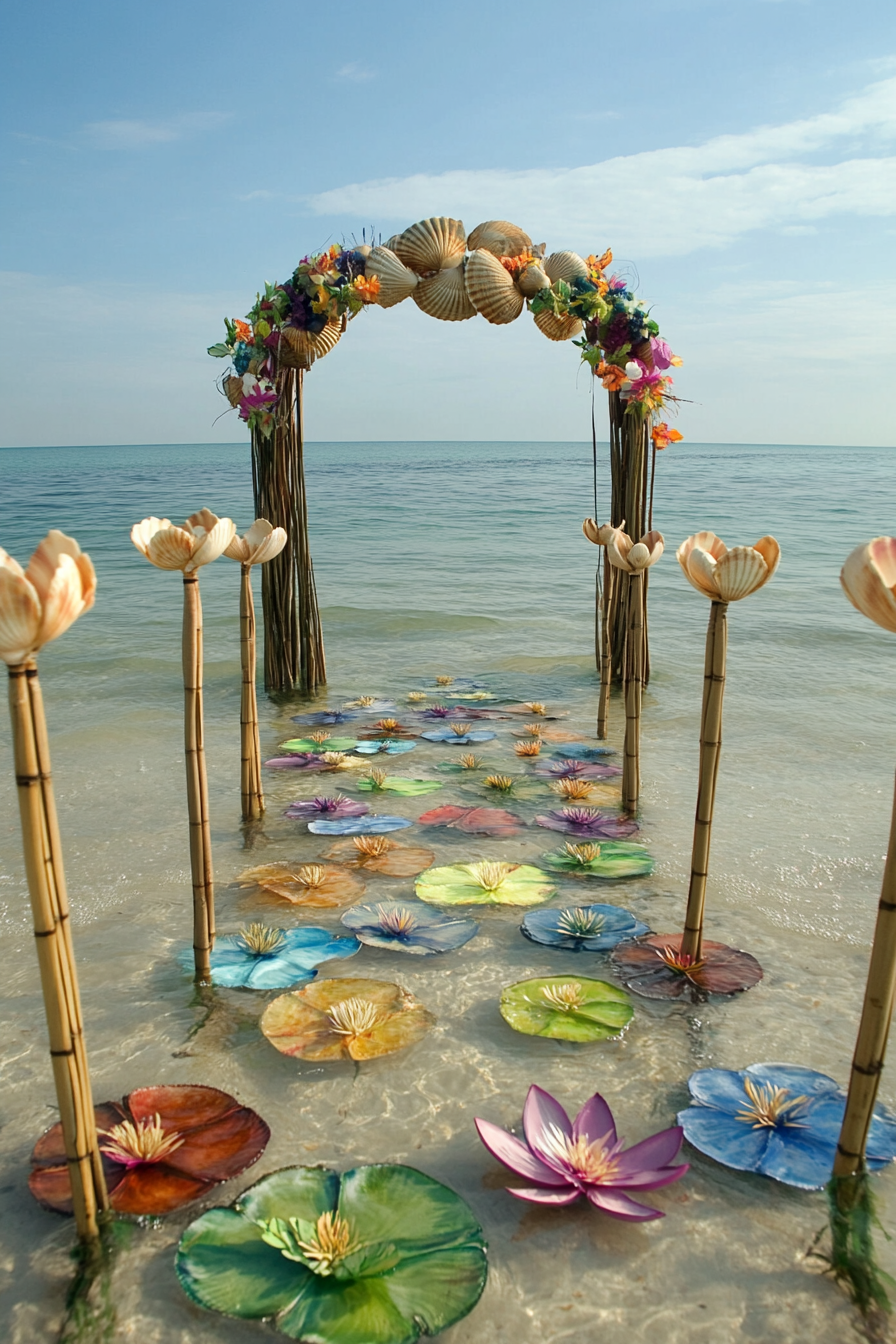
column 408, row 788
column 607, row 859
column 302, row 744
column 566, row 1008
column 484, row 883
column 501, row 787
column 380, row 1255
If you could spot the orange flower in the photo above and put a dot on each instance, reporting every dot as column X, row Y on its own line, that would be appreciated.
column 597, row 266
column 662, row 435
column 243, row 331
column 368, row 289
column 516, row 265
column 611, row 376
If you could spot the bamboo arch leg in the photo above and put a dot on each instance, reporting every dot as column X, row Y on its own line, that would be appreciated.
column 49, row 906
column 251, row 791
column 197, row 782
column 634, row 679
column 611, row 588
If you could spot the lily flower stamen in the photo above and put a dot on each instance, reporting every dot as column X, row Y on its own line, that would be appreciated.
column 352, row 1017
column 566, row 997
column 771, row 1106
column 140, row 1142
column 261, row 940
column 489, row 876
column 580, row 922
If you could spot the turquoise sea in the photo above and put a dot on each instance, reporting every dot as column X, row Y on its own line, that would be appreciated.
column 465, row 559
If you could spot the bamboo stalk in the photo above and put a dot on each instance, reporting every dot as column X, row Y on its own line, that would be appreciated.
column 251, row 791
column 606, row 626
column 197, row 782
column 50, row 912
column 710, row 749
column 633, row 686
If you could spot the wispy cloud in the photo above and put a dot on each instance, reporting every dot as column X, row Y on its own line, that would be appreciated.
column 355, row 73
column 669, row 202
column 135, row 134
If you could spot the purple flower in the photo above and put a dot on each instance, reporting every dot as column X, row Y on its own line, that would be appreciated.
column 302, row 760
column 588, row 822
column 585, row 1157
column 337, row 806
column 662, row 353
column 442, row 712
column 576, row 770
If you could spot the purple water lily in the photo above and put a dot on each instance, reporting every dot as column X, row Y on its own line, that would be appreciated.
column 564, row 1160
column 303, row 760
column 337, row 806
column 588, row 822
column 570, row 769
column 442, row 712
column 324, row 717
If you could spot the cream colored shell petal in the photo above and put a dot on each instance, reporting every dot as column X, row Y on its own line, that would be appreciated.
column 707, row 541
column 7, row 562
column 700, row 568
column 770, row 551
column 201, row 522
column 618, row 548
column 248, row 548
column 213, row 544
column 740, row 573
column 646, row 552
column 45, row 560
column 19, row 615
column 864, row 579
column 599, row 534
column 272, row 545
column 63, row 602
column 170, row 548
column 142, row 533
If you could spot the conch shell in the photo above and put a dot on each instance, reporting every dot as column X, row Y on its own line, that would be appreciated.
column 533, row 279
column 869, row 581
column 557, row 328
column 432, row 245
column 499, row 237
column 299, row 349
column 40, row 603
column 261, row 543
column 396, row 281
column 565, row 266
column 444, row 295
column 725, row 575
column 491, row 288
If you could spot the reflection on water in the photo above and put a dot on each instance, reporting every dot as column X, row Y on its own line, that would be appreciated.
column 466, row 559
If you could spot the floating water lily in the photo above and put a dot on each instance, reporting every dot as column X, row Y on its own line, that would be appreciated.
column 440, row 713
column 377, row 854
column 466, row 761
column 474, row 820
column 611, row 859
column 337, row 760
column 259, row 957
column 582, row 928
column 508, row 787
column 318, row 743
column 162, row 1148
column 584, row 791
column 581, row 751
column 461, row 734
column 780, row 1120
column 563, row 1161
column 318, row 885
column 534, row 708
column 370, row 825
column 325, row 716
column 658, row 968
column 378, row 1255
column 337, row 806
column 378, row 782
column 345, row 1019
column 306, row 760
column 485, row 883
column 370, row 704
column 569, row 768
column 388, row 728
column 544, row 734
column 566, row 1009
column 588, row 823
column 532, row 748
column 403, row 926
column 457, row 684
column 387, row 746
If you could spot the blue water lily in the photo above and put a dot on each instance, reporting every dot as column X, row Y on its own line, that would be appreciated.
column 389, row 746
column 780, row 1120
column 259, row 957
column 372, row 825
column 326, row 716
column 461, row 739
column 582, row 928
column 407, row 926
column 581, row 751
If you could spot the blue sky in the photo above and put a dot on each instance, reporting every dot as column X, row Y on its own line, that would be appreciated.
column 162, row 160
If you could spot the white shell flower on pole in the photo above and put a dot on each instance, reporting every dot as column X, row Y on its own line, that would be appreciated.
column 261, row 543
column 723, row 574
column 633, row 557
column 39, row 604
column 869, row 581
column 202, row 538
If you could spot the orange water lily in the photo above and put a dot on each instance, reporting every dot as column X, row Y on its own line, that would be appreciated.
column 40, row 603
column 869, row 581
column 203, row 537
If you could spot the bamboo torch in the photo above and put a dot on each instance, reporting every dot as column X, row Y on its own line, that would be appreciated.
column 202, row 539
column 261, row 543
column 37, row 606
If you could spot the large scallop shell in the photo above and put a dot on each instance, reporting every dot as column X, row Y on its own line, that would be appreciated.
column 533, row 279
column 557, row 328
column 432, row 245
column 445, row 296
column 396, row 281
column 299, row 349
column 233, row 389
column 491, row 288
column 740, row 573
column 565, row 266
column 499, row 237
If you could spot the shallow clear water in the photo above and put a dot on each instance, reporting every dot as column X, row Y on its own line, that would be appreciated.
column 466, row 559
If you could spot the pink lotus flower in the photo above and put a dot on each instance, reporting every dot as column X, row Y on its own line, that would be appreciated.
column 565, row 1160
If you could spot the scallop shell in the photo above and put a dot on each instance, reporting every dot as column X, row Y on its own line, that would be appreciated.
column 390, row 242
column 233, row 390
column 445, row 296
column 565, row 266
column 491, row 289
column 499, row 237
column 396, row 281
column 533, row 279
column 299, row 349
column 365, row 249
column 740, row 573
column 432, row 245
column 557, row 328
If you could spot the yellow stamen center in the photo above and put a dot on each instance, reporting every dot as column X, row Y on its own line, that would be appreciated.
column 318, row 1246
column 461, row 729
column 584, row 853
column 372, row 846
column 396, row 922
column 533, row 729
column 573, row 790
column 142, row 1142
column 389, row 725
column 566, row 997
column 311, row 874
column 377, row 778
column 527, row 748
column 363, row 701
column 352, row 1017
column 337, row 758
column 444, row 681
column 489, row 876
column 535, row 707
column 594, row 1162
column 502, row 782
column 261, row 940
column 469, row 762
column 770, row 1106
column 416, row 695
column 579, row 922
column 319, row 736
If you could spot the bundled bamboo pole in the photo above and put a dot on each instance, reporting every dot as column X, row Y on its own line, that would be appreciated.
column 633, row 689
column 260, row 544
column 201, row 540
column 603, row 705
column 36, row 607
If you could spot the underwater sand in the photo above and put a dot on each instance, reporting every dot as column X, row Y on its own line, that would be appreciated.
column 465, row 559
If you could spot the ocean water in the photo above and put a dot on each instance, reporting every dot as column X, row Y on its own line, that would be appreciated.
column 466, row 560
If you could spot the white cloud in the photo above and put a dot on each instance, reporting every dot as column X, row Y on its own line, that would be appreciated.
column 124, row 134
column 355, row 72
column 668, row 202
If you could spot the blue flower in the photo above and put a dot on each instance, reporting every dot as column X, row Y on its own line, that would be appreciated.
column 262, row 958
column 326, row 716
column 449, row 735
column 780, row 1120
column 388, row 745
column 582, row 928
column 580, row 751
column 404, row 926
column 372, row 825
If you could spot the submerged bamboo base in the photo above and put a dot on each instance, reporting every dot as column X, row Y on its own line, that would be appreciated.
column 55, row 955
column 251, row 790
column 197, row 782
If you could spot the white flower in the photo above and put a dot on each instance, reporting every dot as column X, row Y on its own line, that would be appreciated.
column 203, row 537
column 40, row 603
column 261, row 543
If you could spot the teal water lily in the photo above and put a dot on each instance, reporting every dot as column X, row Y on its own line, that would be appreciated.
column 385, row 745
column 610, row 859
column 379, row 1255
column 259, row 957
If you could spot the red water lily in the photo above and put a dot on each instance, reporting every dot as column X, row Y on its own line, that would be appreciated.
column 474, row 820
column 162, row 1147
